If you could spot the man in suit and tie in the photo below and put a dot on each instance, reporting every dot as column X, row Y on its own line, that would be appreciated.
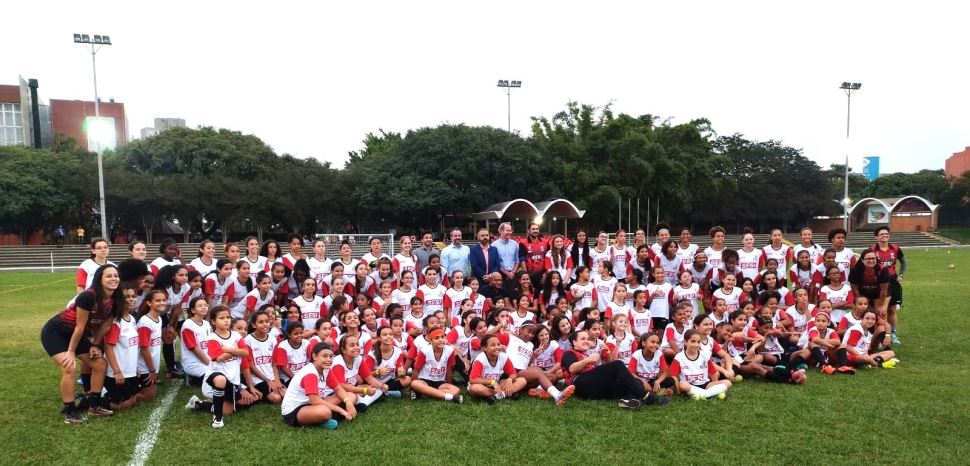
column 483, row 258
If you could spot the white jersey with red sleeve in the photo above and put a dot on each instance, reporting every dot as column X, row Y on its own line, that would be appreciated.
column 199, row 266
column 738, row 348
column 319, row 271
column 256, row 265
column 261, row 355
column 254, row 300
column 237, row 302
column 402, row 263
column 85, row 272
column 310, row 310
column 124, row 336
column 350, row 269
column 624, row 346
column 673, row 338
column 433, row 298
column 687, row 254
column 230, row 368
column 710, row 348
column 286, row 355
column 659, row 299
column 750, row 262
column 604, row 291
column 193, row 335
column 584, row 294
column 288, row 260
column 641, row 322
column 306, row 381
column 798, row 278
column 178, row 300
column 564, row 266
column 451, row 302
column 693, row 371
column 613, row 310
column 771, row 346
column 429, row 368
column 647, row 369
column 457, row 337
column 701, row 277
column 800, row 321
column 858, row 338
column 343, row 372
column 813, row 333
column 714, row 256
column 392, row 364
column 481, row 305
column 411, row 321
column 671, row 267
column 783, row 255
column 841, row 300
column 518, row 351
column 692, row 293
column 482, row 369
column 814, row 251
column 596, row 257
column 620, row 256
column 732, row 300
column 160, row 262
column 403, row 298
column 149, row 336
column 218, row 290
column 845, row 259
column 549, row 357
column 517, row 321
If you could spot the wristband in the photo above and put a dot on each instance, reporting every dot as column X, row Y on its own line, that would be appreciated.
column 493, row 383
column 366, row 389
column 346, row 400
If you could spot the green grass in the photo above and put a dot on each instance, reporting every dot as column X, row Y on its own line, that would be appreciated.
column 960, row 234
column 918, row 413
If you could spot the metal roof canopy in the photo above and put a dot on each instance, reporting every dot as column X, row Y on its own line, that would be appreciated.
column 522, row 208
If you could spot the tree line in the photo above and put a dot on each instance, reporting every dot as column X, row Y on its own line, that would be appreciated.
column 221, row 183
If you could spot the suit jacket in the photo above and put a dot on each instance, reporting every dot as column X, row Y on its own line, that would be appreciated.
column 476, row 258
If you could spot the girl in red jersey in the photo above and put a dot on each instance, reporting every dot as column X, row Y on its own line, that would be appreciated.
column 857, row 347
column 593, row 380
column 384, row 365
column 649, row 365
column 696, row 373
column 492, row 376
column 77, row 332
column 433, row 370
column 205, row 262
column 309, row 401
column 99, row 257
column 290, row 355
column 263, row 373
column 150, row 341
column 346, row 373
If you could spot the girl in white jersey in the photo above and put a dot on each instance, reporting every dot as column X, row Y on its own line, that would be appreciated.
column 599, row 252
column 700, row 270
column 218, row 286
column 776, row 249
column 384, row 365
column 640, row 316
column 582, row 293
column 121, row 352
column 659, row 291
column 669, row 261
column 685, row 249
column 404, row 261
column 222, row 379
column 713, row 252
column 433, row 370
column 807, row 244
column 346, row 373
column 750, row 258
column 262, row 371
column 193, row 339
column 320, row 265
column 168, row 255
column 649, row 365
column 99, row 257
column 604, row 283
column 205, row 262
column 241, row 286
column 150, row 342
column 271, row 251
column 492, row 376
column 696, row 373
column 686, row 289
column 308, row 400
column 856, row 347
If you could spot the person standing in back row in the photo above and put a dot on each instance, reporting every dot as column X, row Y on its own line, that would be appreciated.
column 425, row 251
column 455, row 255
column 890, row 257
column 483, row 258
column 535, row 246
column 510, row 259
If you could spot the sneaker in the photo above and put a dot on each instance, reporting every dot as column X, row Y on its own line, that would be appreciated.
column 629, row 403
column 193, row 401
column 896, row 340
column 827, row 369
column 331, row 424
column 721, row 395
column 801, row 366
column 458, row 400
column 564, row 395
column 490, row 400
column 217, row 423
column 846, row 370
column 499, row 396
column 100, row 411
column 393, row 394
column 414, row 395
column 895, row 360
column 72, row 417
column 890, row 364
column 653, row 399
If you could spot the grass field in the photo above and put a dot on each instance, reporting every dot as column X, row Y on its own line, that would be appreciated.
column 918, row 413
column 961, row 234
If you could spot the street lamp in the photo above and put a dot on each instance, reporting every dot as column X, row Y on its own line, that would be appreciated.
column 848, row 88
column 96, row 42
column 508, row 85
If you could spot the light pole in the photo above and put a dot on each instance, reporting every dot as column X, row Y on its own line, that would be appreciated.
column 96, row 43
column 848, row 88
column 508, row 85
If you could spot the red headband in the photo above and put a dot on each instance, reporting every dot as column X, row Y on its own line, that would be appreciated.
column 436, row 332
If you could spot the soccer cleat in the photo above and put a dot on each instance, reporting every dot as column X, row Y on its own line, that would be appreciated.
column 564, row 395
column 846, row 370
column 654, row 399
column 331, row 424
column 827, row 369
column 193, row 402
column 738, row 378
column 72, row 417
column 721, row 396
column 393, row 394
column 414, row 395
column 890, row 364
column 458, row 399
column 100, row 411
column 629, row 403
column 217, row 423
column 896, row 360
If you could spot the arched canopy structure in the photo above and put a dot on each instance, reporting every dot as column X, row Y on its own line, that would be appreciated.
column 520, row 208
column 560, row 208
column 911, row 203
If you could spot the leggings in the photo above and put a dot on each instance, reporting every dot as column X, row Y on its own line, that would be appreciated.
column 609, row 381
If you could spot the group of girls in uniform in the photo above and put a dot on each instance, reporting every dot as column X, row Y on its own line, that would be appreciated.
column 326, row 339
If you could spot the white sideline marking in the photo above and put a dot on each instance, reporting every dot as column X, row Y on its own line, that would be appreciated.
column 148, row 436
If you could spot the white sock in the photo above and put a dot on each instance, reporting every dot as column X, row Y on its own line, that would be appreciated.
column 449, row 397
column 699, row 391
column 369, row 399
column 554, row 392
column 716, row 390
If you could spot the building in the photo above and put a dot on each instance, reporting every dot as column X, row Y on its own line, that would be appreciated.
column 161, row 124
column 67, row 121
column 958, row 164
column 905, row 213
column 20, row 115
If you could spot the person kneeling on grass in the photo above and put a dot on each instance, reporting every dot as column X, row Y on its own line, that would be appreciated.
column 698, row 377
column 433, row 368
column 612, row 380
column 492, row 377
column 309, row 400
column 221, row 382
column 519, row 349
column 856, row 344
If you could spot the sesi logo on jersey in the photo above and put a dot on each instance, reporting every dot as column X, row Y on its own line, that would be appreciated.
column 437, row 371
column 263, row 359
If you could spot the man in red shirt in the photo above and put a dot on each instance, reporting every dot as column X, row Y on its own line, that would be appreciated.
column 535, row 246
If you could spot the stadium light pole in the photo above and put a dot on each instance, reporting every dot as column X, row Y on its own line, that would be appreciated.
column 848, row 88
column 96, row 42
column 508, row 85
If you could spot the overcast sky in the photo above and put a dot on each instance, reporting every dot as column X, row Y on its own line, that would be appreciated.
column 313, row 80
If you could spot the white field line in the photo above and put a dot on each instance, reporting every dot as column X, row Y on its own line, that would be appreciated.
column 148, row 436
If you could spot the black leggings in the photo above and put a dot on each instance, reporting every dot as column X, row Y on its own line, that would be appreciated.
column 609, row 381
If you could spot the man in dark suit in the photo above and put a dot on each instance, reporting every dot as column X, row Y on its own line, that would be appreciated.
column 483, row 258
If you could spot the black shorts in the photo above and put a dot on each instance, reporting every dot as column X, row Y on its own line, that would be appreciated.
column 895, row 293
column 143, row 381
column 433, row 384
column 195, row 381
column 262, row 387
column 121, row 393
column 232, row 392
column 290, row 419
column 56, row 337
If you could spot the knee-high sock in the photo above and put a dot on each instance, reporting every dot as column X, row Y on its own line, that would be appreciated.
column 716, row 390
column 819, row 356
column 168, row 353
column 842, row 356
column 703, row 392
column 218, row 400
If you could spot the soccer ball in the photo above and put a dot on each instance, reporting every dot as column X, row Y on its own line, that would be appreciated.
column 951, row 266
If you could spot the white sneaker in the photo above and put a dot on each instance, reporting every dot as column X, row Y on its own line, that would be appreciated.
column 193, row 400
column 217, row 423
